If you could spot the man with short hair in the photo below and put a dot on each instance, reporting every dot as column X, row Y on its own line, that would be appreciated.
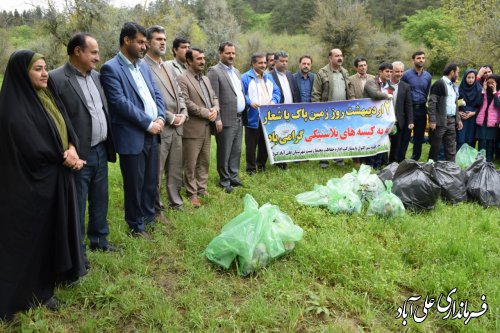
column 284, row 79
column 403, row 110
column 137, row 118
column 379, row 88
column 304, row 79
column 259, row 89
column 179, row 48
column 444, row 117
column 78, row 85
column 226, row 83
column 203, row 108
column 286, row 84
column 331, row 83
column 359, row 79
column 420, row 83
column 170, row 147
column 270, row 62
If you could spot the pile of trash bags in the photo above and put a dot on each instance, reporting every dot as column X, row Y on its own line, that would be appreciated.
column 347, row 195
column 254, row 238
column 420, row 185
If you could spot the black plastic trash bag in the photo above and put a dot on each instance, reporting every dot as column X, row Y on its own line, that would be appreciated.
column 451, row 178
column 484, row 183
column 414, row 186
column 388, row 172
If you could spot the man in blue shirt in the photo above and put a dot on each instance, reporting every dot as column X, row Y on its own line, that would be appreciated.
column 304, row 78
column 420, row 83
column 137, row 116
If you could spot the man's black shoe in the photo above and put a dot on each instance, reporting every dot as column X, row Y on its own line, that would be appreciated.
column 52, row 303
column 236, row 182
column 227, row 188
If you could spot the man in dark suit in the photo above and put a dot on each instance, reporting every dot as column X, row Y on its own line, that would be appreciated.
column 304, row 79
column 77, row 84
column 403, row 108
column 284, row 79
column 170, row 148
column 203, row 109
column 286, row 84
column 226, row 83
column 137, row 118
column 444, row 118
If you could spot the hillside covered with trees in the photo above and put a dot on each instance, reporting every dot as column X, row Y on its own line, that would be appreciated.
column 381, row 30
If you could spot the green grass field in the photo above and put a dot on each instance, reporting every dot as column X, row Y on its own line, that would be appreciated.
column 348, row 274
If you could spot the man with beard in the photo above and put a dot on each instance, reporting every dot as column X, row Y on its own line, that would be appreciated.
column 170, row 148
column 270, row 62
column 331, row 83
column 137, row 118
column 304, row 78
column 179, row 49
column 420, row 83
column 203, row 108
column 226, row 83
column 443, row 114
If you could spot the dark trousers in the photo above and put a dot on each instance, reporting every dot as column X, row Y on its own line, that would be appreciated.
column 445, row 135
column 420, row 122
column 92, row 182
column 405, row 141
column 488, row 146
column 395, row 153
column 140, row 176
column 254, row 139
column 229, row 152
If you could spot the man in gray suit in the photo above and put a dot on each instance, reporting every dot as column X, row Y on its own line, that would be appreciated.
column 77, row 83
column 226, row 83
column 170, row 148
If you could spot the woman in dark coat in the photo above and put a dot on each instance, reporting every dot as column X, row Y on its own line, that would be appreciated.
column 39, row 233
column 470, row 91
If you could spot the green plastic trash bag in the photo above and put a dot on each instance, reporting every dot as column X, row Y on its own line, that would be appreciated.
column 369, row 184
column 254, row 238
column 386, row 204
column 466, row 155
column 315, row 198
column 344, row 201
column 348, row 182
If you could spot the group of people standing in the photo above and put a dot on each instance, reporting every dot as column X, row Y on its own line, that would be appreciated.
column 59, row 130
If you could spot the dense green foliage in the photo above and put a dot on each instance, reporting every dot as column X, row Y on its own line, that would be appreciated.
column 348, row 274
column 359, row 27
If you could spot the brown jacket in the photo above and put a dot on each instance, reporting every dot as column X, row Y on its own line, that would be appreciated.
column 197, row 109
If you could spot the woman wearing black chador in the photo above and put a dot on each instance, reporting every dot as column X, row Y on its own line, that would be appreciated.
column 39, row 229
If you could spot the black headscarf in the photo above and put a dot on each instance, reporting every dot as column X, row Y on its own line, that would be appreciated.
column 39, row 238
column 471, row 93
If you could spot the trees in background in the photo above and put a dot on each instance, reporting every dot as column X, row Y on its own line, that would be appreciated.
column 461, row 30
